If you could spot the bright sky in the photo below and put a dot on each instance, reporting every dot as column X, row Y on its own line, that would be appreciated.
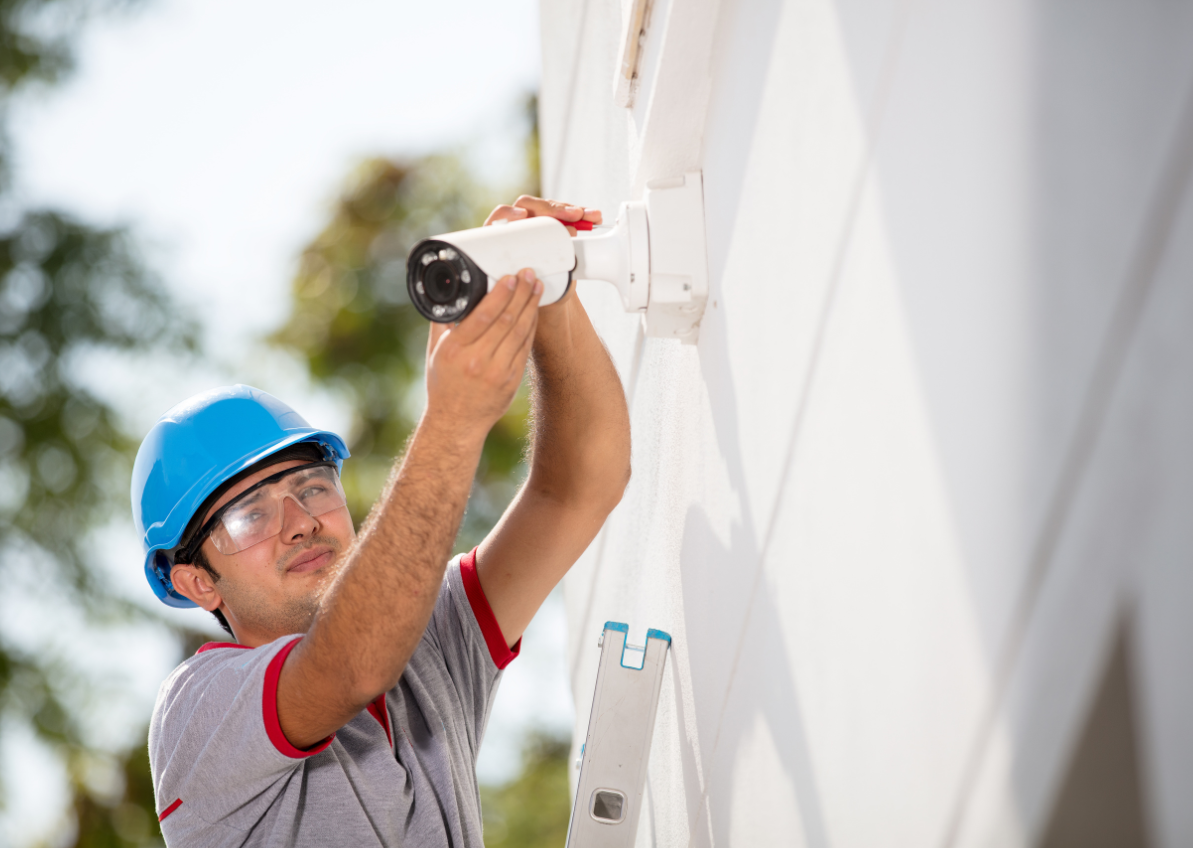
column 223, row 128
column 220, row 130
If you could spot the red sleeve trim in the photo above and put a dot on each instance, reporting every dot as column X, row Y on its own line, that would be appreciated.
column 177, row 803
column 378, row 711
column 211, row 646
column 269, row 707
column 499, row 649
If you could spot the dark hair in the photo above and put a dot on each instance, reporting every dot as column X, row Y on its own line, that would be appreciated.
column 308, row 451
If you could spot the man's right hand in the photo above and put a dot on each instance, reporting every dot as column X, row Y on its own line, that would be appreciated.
column 475, row 367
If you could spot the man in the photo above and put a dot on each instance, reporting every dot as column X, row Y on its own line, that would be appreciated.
column 350, row 709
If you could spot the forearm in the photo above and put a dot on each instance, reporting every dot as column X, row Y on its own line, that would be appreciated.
column 580, row 451
column 580, row 464
column 372, row 617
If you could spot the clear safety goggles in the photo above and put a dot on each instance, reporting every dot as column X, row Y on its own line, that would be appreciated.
column 257, row 514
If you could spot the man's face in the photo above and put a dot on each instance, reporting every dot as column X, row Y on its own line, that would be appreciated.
column 273, row 587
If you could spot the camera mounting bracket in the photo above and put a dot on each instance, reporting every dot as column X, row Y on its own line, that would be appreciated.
column 655, row 254
column 678, row 261
column 620, row 255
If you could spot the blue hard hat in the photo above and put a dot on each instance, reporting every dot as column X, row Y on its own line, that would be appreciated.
column 192, row 450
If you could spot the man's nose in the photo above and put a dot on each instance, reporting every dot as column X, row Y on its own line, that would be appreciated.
column 297, row 523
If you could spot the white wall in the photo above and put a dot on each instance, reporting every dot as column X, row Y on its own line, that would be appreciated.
column 931, row 455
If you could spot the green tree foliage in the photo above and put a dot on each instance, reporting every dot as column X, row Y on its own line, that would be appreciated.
column 124, row 818
column 534, row 167
column 67, row 290
column 532, row 810
column 353, row 324
column 27, row 55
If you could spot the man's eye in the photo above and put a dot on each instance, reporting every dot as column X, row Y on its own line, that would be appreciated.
column 312, row 492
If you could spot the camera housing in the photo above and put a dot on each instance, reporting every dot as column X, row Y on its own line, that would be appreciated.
column 448, row 275
column 654, row 254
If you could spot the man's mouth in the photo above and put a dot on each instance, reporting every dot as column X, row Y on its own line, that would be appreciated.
column 311, row 560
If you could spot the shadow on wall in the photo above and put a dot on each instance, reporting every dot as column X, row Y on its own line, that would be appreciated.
column 1111, row 146
column 1100, row 803
column 1022, row 192
column 742, row 677
column 742, row 680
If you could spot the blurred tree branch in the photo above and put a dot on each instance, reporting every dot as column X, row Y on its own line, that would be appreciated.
column 67, row 291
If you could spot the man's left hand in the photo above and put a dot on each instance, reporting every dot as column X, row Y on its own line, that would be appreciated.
column 533, row 207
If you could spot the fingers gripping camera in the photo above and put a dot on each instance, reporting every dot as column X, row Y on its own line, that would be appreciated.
column 654, row 255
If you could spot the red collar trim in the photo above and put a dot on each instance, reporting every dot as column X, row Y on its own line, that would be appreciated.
column 211, row 646
column 378, row 711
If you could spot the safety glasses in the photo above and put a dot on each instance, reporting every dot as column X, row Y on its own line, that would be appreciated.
column 257, row 514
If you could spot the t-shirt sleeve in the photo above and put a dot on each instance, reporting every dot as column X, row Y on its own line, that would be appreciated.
column 499, row 651
column 464, row 632
column 217, row 750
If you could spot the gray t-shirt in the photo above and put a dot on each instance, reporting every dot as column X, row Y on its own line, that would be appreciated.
column 403, row 772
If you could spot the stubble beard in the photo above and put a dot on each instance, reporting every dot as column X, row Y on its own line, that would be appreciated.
column 293, row 613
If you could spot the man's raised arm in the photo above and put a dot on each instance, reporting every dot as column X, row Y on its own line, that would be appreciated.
column 580, row 454
column 373, row 615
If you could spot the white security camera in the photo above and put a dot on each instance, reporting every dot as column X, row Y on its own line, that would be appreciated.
column 654, row 255
column 449, row 274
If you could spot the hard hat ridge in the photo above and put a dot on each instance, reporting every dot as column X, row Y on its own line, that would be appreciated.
column 192, row 450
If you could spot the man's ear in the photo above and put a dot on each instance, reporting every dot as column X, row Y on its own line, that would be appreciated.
column 195, row 584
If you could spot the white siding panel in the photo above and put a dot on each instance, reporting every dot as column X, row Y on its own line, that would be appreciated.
column 867, row 505
column 1163, row 446
column 1116, row 563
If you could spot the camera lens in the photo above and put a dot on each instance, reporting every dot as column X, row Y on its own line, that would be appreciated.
column 441, row 282
column 444, row 284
